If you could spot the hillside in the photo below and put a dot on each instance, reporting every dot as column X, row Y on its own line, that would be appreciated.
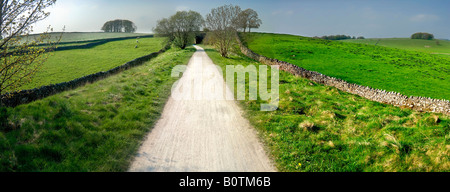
column 427, row 46
column 411, row 73
column 71, row 64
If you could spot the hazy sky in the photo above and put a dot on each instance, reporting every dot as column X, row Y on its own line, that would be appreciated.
column 369, row 18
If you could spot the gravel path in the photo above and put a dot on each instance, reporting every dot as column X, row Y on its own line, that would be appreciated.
column 197, row 134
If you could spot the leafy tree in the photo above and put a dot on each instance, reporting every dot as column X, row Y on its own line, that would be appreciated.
column 180, row 28
column 165, row 28
column 426, row 36
column 119, row 26
column 222, row 23
column 20, row 57
column 248, row 19
column 129, row 26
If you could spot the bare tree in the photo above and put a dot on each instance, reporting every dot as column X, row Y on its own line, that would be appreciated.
column 20, row 59
column 180, row 28
column 248, row 19
column 223, row 23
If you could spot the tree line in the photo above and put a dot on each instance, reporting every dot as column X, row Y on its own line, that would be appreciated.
column 339, row 37
column 119, row 26
column 221, row 25
column 426, row 36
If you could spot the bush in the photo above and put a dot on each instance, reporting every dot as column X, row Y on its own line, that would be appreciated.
column 426, row 36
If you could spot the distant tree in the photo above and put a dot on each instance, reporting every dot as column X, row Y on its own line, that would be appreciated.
column 248, row 19
column 222, row 23
column 119, row 26
column 336, row 37
column 129, row 26
column 108, row 26
column 361, row 37
column 20, row 57
column 180, row 28
column 426, row 36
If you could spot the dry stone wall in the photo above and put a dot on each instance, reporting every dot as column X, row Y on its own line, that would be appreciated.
column 382, row 96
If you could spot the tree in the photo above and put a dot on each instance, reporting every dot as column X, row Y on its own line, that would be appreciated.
column 129, row 26
column 248, row 19
column 180, row 28
column 119, row 26
column 107, row 27
column 165, row 28
column 185, row 25
column 336, row 37
column 222, row 22
column 20, row 57
column 426, row 36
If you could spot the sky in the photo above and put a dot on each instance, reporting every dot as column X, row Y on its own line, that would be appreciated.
column 368, row 18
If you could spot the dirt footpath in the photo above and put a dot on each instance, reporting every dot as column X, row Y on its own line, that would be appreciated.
column 200, row 134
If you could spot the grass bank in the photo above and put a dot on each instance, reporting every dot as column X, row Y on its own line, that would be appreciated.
column 97, row 127
column 319, row 128
column 411, row 73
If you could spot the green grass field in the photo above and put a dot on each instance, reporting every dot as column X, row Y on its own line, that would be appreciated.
column 411, row 73
column 71, row 64
column 321, row 129
column 97, row 127
column 427, row 46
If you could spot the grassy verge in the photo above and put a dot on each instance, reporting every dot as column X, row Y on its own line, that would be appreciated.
column 411, row 73
column 97, row 127
column 71, row 64
column 319, row 128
